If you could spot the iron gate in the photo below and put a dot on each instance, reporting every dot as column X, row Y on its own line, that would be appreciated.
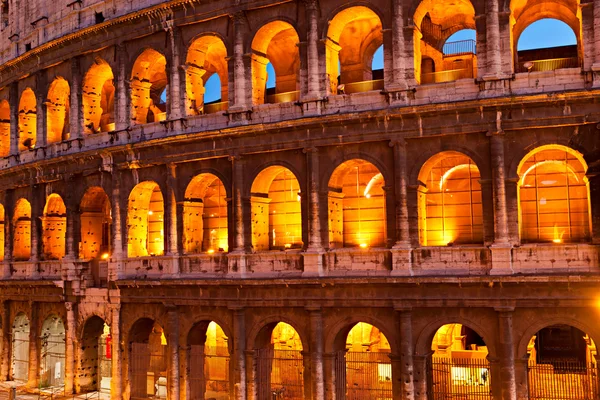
column 148, row 372
column 53, row 360
column 459, row 378
column 361, row 376
column 563, row 380
column 209, row 372
column 280, row 374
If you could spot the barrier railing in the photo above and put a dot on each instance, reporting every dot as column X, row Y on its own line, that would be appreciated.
column 460, row 47
column 215, row 107
column 358, row 87
column 285, row 97
column 446, row 76
column 548, row 65
column 459, row 378
column 563, row 380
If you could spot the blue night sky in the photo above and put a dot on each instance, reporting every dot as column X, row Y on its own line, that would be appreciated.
column 541, row 34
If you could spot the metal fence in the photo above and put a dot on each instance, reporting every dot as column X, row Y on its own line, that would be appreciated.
column 450, row 75
column 460, row 47
column 458, row 378
column 563, row 380
column 53, row 360
column 148, row 372
column 548, row 65
column 209, row 372
column 361, row 376
column 280, row 374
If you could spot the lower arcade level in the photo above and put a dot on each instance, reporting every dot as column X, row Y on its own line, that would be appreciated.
column 365, row 338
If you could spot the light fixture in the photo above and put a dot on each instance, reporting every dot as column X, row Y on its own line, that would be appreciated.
column 150, row 212
column 105, row 256
column 211, row 251
column 364, row 245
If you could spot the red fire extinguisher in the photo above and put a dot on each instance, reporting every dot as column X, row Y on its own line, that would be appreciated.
column 108, row 347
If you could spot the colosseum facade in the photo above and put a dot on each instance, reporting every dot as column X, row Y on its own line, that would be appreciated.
column 425, row 230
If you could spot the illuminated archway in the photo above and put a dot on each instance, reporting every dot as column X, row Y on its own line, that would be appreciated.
column 148, row 82
column 57, row 111
column 277, row 43
column 98, row 98
column 22, row 231
column 205, row 215
column 148, row 363
column 209, row 367
column 27, row 120
column 459, row 366
column 436, row 58
column 279, row 362
column 96, row 356
column 54, row 226
column 145, row 221
column 450, row 208
column 4, row 128
column 20, row 348
column 276, row 210
column 562, row 364
column 96, row 221
column 524, row 13
column 364, row 368
column 357, row 212
column 353, row 36
column 553, row 196
column 52, row 360
column 206, row 57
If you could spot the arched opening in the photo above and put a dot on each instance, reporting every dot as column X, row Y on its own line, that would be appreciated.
column 377, row 65
column 96, row 221
column 353, row 37
column 52, row 360
column 357, row 216
column 208, row 362
column 145, row 221
column 275, row 43
column 20, row 348
column 276, row 210
column 449, row 198
column 54, row 226
column 95, row 356
column 148, row 81
column 4, row 128
column 279, row 363
column 147, row 360
column 98, row 98
column 27, row 120
column 57, row 111
column 22, row 231
column 205, row 215
column 554, row 196
column 206, row 60
column 562, row 364
column 548, row 23
column 439, row 57
column 364, row 368
column 459, row 367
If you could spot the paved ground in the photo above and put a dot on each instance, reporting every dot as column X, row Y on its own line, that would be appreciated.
column 56, row 394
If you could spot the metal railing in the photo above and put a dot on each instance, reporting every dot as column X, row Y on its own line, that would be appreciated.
column 363, row 376
column 285, row 97
column 548, row 65
column 460, row 378
column 148, row 372
column 280, row 374
column 212, row 108
column 459, row 47
column 446, row 76
column 209, row 372
column 358, row 87
column 563, row 380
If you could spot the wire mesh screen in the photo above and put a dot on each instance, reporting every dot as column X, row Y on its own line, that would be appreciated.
column 280, row 374
column 53, row 360
column 209, row 372
column 464, row 378
column 563, row 380
column 363, row 376
column 148, row 372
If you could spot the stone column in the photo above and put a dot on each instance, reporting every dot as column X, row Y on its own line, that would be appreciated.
column 508, row 386
column 117, row 244
column 329, row 375
column 521, row 377
column 71, row 244
column 14, row 118
column 175, row 93
column 501, row 252
column 9, row 205
column 313, row 257
column 239, row 244
column 316, row 353
column 41, row 114
column 406, row 378
column 117, row 371
column 420, row 371
column 239, row 356
column 122, row 97
column 70, row 338
column 398, row 47
column 173, row 342
column 312, row 49
column 596, row 48
column 401, row 251
column 171, row 213
column 493, row 50
column 34, row 357
column 37, row 206
column 76, row 107
column 240, row 83
column 6, row 335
